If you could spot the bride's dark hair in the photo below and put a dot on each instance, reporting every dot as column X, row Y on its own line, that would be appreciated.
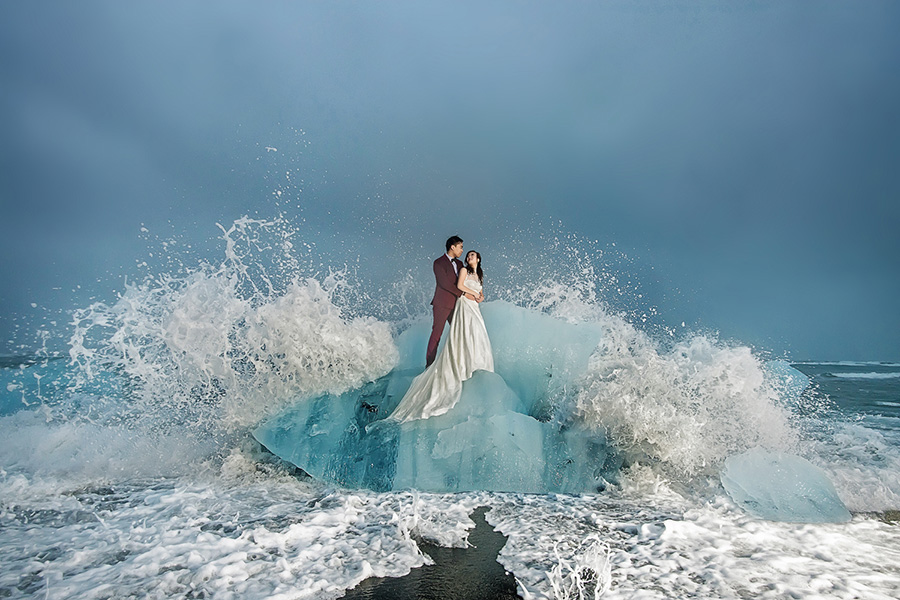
column 478, row 270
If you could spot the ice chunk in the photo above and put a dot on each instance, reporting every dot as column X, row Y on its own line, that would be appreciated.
column 484, row 442
column 538, row 355
column 498, row 437
column 325, row 436
column 782, row 487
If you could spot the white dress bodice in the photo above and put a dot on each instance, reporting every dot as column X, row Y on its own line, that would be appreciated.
column 473, row 284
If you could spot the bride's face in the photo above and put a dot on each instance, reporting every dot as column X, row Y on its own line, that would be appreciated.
column 472, row 260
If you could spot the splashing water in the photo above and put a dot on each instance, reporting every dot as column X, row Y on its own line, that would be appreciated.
column 688, row 407
column 583, row 573
column 226, row 345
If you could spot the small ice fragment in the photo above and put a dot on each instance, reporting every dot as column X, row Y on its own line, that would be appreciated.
column 271, row 149
column 782, row 487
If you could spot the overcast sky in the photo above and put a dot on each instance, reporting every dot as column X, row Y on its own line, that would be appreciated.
column 749, row 152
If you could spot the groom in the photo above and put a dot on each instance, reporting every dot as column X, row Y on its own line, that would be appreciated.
column 446, row 272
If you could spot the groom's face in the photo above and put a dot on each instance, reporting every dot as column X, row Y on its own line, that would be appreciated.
column 456, row 250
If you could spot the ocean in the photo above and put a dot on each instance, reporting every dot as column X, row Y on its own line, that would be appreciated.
column 128, row 470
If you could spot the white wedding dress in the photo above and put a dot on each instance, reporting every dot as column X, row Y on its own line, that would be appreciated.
column 468, row 349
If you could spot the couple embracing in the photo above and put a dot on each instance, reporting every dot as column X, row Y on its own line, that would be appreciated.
column 458, row 292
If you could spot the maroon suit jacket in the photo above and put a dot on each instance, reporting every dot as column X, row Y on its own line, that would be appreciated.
column 445, row 290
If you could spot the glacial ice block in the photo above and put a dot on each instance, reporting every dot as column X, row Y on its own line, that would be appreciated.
column 782, row 487
column 482, row 443
column 499, row 437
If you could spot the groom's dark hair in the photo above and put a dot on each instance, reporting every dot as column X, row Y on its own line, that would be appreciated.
column 452, row 241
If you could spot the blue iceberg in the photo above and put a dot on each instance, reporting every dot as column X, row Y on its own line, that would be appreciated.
column 500, row 436
column 782, row 487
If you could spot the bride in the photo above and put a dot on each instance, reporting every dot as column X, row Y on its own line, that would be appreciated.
column 468, row 349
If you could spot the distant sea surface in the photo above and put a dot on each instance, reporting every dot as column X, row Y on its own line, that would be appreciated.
column 866, row 391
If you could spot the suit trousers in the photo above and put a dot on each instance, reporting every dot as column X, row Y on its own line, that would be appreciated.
column 442, row 316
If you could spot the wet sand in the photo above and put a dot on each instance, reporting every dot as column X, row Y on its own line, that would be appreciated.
column 459, row 573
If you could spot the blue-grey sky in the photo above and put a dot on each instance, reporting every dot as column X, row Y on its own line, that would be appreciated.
column 749, row 153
